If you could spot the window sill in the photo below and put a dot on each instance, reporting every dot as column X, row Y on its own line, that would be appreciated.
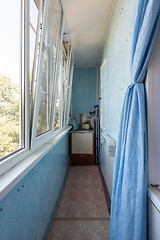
column 10, row 179
column 109, row 140
column 154, row 196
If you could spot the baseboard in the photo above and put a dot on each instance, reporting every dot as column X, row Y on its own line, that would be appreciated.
column 52, row 218
column 106, row 193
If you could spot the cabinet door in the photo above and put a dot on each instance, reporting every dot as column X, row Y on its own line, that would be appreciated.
column 82, row 143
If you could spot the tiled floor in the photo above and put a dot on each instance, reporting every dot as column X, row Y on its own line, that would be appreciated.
column 83, row 212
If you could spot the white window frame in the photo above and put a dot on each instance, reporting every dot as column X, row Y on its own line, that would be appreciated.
column 102, row 88
column 15, row 161
column 69, row 54
column 69, row 92
column 60, row 81
column 65, row 83
column 17, row 156
column 37, row 141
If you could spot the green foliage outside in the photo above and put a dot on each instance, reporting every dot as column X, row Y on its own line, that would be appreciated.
column 43, row 121
column 57, row 117
column 9, row 116
column 45, row 113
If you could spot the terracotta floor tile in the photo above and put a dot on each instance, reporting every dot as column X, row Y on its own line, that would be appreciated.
column 83, row 196
column 82, row 213
column 80, row 230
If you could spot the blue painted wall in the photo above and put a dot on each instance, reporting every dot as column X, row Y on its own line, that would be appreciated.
column 117, row 52
column 116, row 77
column 26, row 210
column 83, row 90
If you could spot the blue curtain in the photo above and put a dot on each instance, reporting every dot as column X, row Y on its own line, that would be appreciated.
column 129, row 195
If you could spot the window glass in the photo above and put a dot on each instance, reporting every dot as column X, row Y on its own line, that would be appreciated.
column 34, row 7
column 103, row 95
column 57, row 121
column 49, row 67
column 11, row 117
column 33, row 31
column 64, row 79
column 69, row 90
column 66, row 65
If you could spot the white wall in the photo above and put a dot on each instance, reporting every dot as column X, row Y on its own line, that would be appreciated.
column 153, row 102
column 107, row 162
column 153, row 222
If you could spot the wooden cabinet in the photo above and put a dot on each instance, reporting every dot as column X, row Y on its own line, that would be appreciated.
column 82, row 147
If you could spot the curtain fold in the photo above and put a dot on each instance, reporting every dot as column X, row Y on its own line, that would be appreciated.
column 129, row 194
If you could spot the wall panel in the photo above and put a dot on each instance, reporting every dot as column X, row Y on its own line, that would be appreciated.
column 116, row 77
column 117, row 52
column 83, row 90
column 25, row 212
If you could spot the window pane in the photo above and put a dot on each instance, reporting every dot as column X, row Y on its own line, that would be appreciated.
column 103, row 108
column 32, row 48
column 33, row 31
column 43, row 116
column 49, row 67
column 103, row 94
column 34, row 13
column 10, row 77
column 69, row 91
column 57, row 123
column 65, row 82
column 65, row 86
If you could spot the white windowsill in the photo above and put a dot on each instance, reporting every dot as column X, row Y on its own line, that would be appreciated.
column 110, row 140
column 10, row 179
column 154, row 196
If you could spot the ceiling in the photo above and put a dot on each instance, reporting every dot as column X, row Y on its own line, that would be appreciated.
column 87, row 23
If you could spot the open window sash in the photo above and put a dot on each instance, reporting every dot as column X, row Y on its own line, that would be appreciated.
column 69, row 69
column 46, row 71
column 69, row 88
